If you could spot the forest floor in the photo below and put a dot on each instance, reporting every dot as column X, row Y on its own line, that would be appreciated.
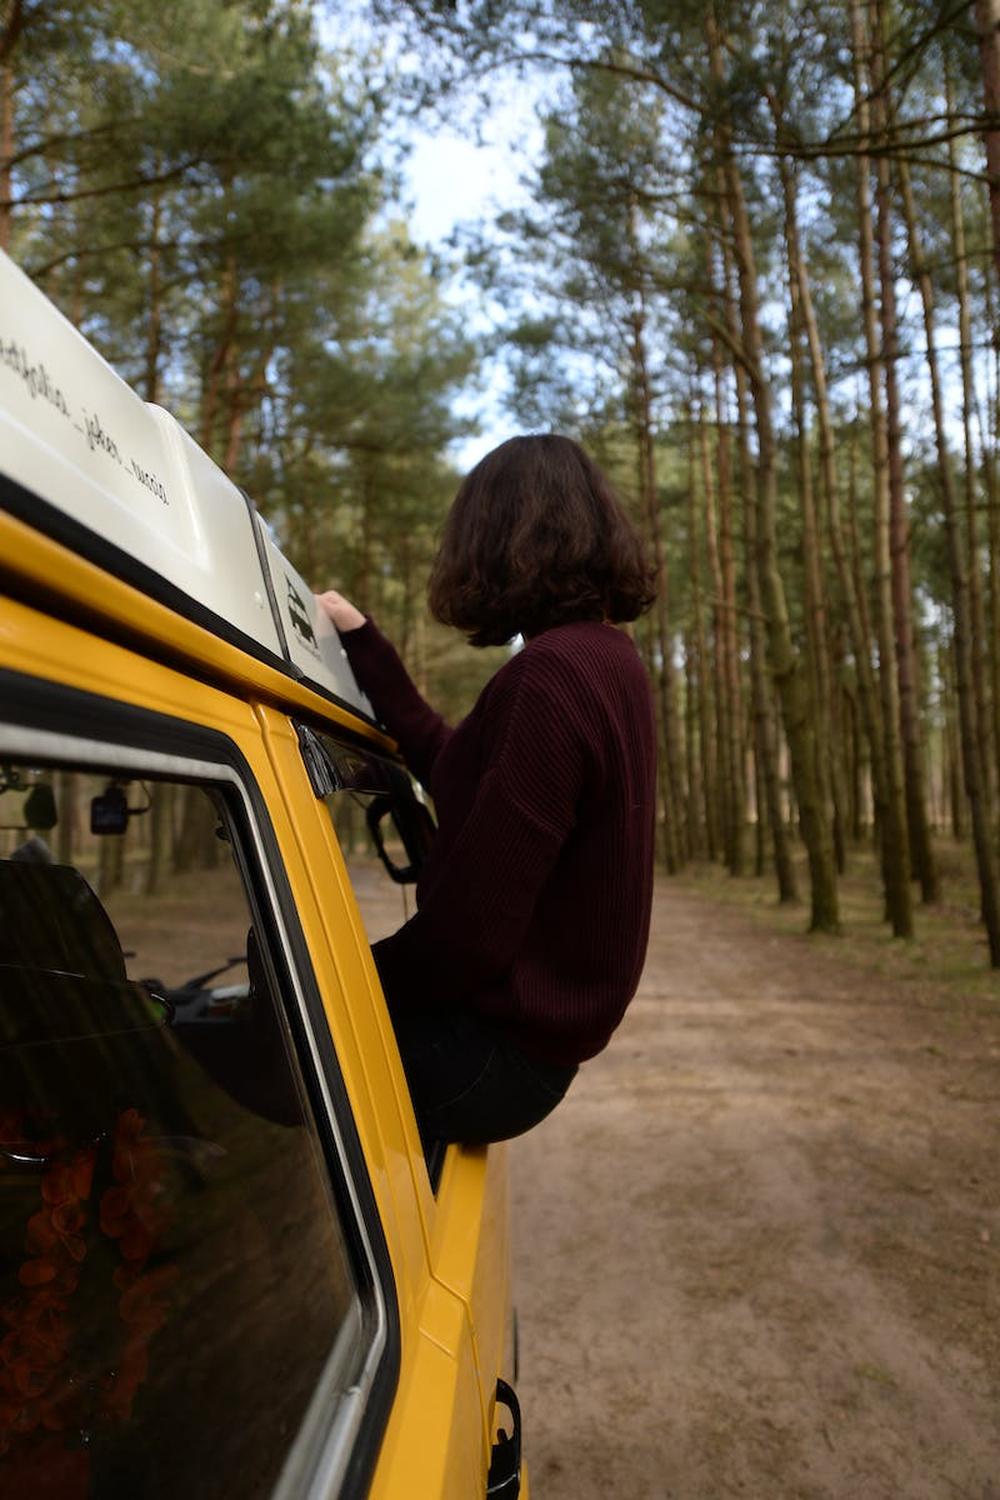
column 757, row 1248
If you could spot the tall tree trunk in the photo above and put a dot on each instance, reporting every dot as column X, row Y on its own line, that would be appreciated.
column 218, row 363
column 855, row 608
column 110, row 864
column 762, row 737
column 696, row 788
column 195, row 845
column 818, row 678
column 855, row 768
column 732, row 692
column 721, row 793
column 154, row 313
column 988, row 448
column 988, row 27
column 956, row 795
column 921, row 847
column 160, row 837
column 785, row 665
column 234, row 432
column 665, row 825
column 761, row 816
column 677, row 842
column 977, row 617
column 705, row 768
column 765, row 747
column 9, row 37
column 895, row 844
column 957, row 561
column 246, row 393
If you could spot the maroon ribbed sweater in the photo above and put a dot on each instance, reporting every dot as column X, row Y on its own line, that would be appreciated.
column 533, row 906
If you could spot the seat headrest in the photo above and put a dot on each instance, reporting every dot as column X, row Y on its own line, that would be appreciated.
column 51, row 919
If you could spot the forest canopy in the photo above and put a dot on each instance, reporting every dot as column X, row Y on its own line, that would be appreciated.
column 755, row 272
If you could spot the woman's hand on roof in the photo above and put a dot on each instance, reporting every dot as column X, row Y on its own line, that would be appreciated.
column 341, row 611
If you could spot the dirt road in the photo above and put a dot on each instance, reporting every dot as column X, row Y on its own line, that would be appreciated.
column 757, row 1249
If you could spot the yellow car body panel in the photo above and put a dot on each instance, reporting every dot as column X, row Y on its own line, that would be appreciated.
column 437, row 1392
column 363, row 1031
column 465, row 1227
column 87, row 630
column 470, row 1253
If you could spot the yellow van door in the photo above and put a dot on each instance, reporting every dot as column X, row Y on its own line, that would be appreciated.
column 199, row 1271
column 465, row 1225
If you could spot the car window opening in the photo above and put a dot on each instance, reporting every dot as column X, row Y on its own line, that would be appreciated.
column 169, row 1239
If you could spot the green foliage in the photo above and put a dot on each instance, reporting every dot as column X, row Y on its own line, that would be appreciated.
column 203, row 189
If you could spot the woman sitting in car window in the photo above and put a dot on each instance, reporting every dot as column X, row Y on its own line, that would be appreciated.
column 533, row 907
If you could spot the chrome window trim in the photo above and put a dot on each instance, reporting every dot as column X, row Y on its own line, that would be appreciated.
column 335, row 1447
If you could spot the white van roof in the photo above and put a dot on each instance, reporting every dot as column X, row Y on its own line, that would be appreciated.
column 83, row 458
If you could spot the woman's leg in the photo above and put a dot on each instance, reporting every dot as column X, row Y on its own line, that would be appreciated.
column 468, row 1082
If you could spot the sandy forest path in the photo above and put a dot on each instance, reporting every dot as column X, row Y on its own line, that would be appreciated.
column 757, row 1249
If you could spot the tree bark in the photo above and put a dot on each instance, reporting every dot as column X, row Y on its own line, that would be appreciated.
column 957, row 561
column 195, row 845
column 721, row 729
column 955, row 790
column 219, row 362
column 110, row 864
column 764, row 742
column 732, row 694
column 893, row 831
column 676, row 834
column 705, row 771
column 921, row 847
column 818, row 678
column 768, row 786
column 977, row 617
column 154, row 315
column 859, row 628
column 698, row 786
column 988, row 443
column 785, row 665
column 761, row 817
column 9, row 38
column 160, row 837
column 988, row 27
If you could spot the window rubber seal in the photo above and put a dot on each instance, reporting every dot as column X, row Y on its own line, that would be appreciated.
column 31, row 702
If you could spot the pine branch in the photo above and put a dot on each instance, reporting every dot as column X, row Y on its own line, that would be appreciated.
column 131, row 185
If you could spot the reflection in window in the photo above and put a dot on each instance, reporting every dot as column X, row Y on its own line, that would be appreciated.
column 173, row 1278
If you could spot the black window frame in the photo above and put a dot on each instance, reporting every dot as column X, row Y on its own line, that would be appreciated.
column 31, row 703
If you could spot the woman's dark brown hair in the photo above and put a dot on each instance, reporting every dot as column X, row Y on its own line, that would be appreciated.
column 537, row 537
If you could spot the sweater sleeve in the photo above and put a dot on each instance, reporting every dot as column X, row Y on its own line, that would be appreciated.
column 475, row 908
column 419, row 730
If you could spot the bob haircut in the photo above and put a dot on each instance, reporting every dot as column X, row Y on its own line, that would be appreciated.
column 537, row 537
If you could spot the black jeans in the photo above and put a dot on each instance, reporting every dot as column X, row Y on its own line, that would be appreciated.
column 468, row 1082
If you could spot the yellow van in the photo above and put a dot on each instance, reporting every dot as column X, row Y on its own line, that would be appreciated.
column 226, row 1267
